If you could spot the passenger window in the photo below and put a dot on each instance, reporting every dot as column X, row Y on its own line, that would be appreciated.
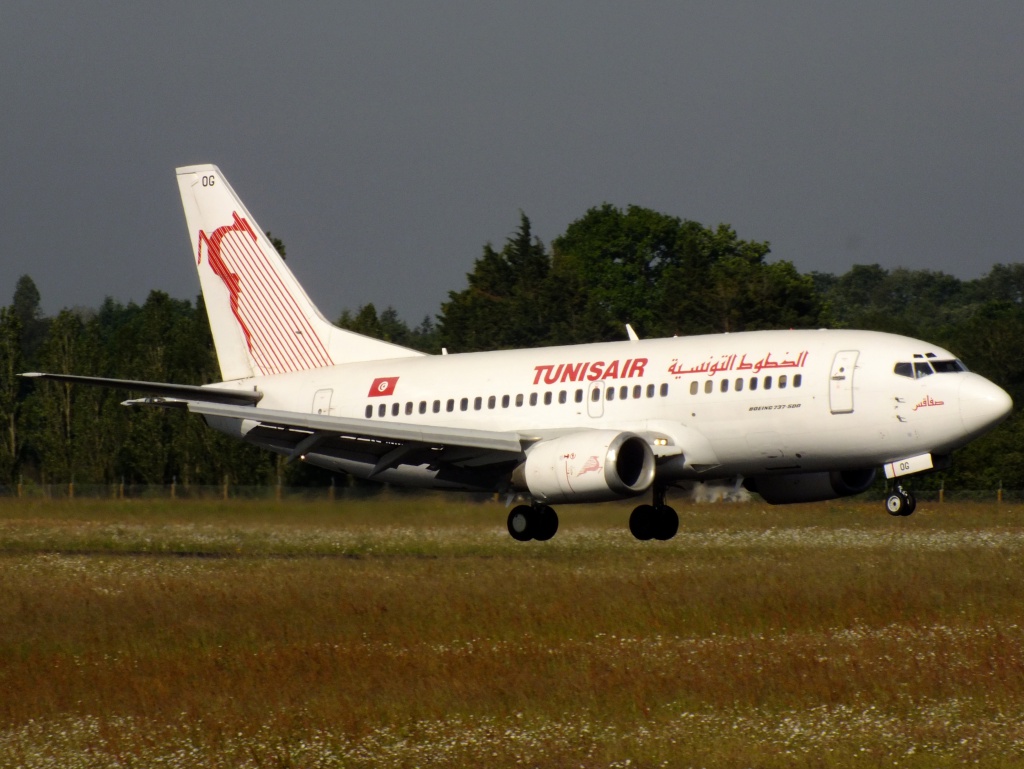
column 547, row 398
column 798, row 379
column 922, row 370
column 767, row 383
column 519, row 400
column 408, row 407
column 464, row 404
column 423, row 407
column 394, row 409
column 450, row 406
column 724, row 387
column 609, row 394
column 637, row 391
column 478, row 402
column 664, row 390
column 753, row 383
column 904, row 369
column 382, row 410
column 579, row 396
column 533, row 399
column 650, row 391
column 563, row 396
column 595, row 394
column 492, row 402
column 693, row 389
column 623, row 393
column 709, row 386
column 739, row 385
column 782, row 381
column 504, row 401
column 437, row 406
column 369, row 411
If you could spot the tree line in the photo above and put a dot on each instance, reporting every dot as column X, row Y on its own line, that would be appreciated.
column 663, row 275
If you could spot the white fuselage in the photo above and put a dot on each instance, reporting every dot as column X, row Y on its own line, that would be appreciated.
column 732, row 404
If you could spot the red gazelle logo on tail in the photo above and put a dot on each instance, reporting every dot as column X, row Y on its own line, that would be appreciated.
column 220, row 267
column 278, row 333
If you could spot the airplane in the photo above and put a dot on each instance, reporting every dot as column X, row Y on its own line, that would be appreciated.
column 792, row 415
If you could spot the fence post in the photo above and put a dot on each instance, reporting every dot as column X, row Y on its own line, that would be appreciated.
column 277, row 494
column 942, row 492
column 174, row 487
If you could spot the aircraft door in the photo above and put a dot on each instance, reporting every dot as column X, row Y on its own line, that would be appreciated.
column 595, row 399
column 840, row 393
column 322, row 402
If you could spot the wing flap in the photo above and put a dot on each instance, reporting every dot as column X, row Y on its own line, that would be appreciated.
column 430, row 435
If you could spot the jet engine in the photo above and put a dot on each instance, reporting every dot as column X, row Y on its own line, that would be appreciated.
column 810, row 487
column 592, row 466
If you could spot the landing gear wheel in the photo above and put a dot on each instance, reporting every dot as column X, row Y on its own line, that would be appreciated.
column 519, row 523
column 526, row 523
column 642, row 522
column 901, row 502
column 895, row 504
column 911, row 503
column 667, row 522
column 545, row 523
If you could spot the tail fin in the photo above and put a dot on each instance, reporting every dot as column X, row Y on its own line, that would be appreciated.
column 262, row 321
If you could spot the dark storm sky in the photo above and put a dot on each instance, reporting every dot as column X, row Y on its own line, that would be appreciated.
column 387, row 142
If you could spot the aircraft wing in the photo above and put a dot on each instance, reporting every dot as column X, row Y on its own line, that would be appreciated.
column 487, row 440
column 382, row 445
column 160, row 389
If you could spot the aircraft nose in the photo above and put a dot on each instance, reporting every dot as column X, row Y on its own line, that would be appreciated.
column 983, row 404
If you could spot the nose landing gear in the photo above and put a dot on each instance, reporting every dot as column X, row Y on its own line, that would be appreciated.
column 900, row 502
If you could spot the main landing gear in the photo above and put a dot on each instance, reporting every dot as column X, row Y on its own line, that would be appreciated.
column 657, row 521
column 900, row 502
column 538, row 522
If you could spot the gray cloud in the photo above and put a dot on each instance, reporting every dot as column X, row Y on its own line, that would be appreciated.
column 387, row 143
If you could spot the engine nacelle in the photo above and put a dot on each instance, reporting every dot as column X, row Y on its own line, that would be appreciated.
column 810, row 487
column 592, row 466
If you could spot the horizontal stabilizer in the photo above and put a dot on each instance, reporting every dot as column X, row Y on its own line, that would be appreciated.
column 165, row 389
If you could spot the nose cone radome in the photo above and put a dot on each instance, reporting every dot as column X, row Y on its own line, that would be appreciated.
column 983, row 405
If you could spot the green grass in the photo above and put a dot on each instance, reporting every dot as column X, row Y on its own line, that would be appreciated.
column 412, row 631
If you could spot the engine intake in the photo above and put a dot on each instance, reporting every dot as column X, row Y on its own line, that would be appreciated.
column 592, row 466
column 810, row 487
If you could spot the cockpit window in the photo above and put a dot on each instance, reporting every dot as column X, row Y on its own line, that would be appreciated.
column 948, row 366
column 904, row 369
column 922, row 369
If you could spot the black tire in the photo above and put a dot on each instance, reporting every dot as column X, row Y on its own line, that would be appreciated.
column 896, row 504
column 911, row 503
column 520, row 523
column 546, row 520
column 667, row 522
column 642, row 522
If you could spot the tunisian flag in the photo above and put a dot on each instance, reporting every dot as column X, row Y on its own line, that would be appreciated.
column 383, row 385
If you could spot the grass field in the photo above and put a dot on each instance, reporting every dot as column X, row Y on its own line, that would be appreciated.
column 413, row 632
